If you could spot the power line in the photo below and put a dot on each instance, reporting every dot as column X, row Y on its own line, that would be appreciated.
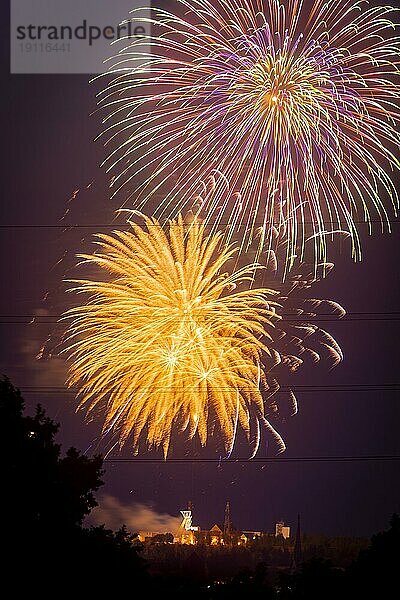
column 333, row 224
column 288, row 318
column 274, row 459
column 395, row 312
column 394, row 320
column 348, row 388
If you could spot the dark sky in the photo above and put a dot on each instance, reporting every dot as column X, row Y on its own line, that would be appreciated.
column 49, row 152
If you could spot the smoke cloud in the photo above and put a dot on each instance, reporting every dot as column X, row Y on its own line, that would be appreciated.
column 136, row 516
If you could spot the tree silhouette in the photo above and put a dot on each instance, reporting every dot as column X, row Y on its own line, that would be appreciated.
column 315, row 579
column 375, row 572
column 41, row 487
column 44, row 501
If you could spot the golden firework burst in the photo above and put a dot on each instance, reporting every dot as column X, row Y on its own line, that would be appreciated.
column 167, row 339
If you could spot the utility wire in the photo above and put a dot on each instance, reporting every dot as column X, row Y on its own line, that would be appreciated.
column 347, row 388
column 288, row 318
column 333, row 224
column 280, row 459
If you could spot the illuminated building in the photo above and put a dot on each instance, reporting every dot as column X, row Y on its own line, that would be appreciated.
column 281, row 529
column 190, row 534
column 185, row 534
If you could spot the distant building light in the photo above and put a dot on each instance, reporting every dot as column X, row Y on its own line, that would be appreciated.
column 281, row 529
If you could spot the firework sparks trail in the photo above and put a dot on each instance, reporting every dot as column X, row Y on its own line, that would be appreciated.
column 296, row 107
column 162, row 341
column 168, row 341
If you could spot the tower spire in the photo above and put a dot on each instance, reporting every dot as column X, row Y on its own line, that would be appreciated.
column 297, row 552
column 227, row 524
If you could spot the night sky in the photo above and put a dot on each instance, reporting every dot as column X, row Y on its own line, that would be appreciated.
column 49, row 153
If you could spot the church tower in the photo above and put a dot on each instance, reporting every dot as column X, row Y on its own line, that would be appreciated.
column 227, row 524
column 297, row 552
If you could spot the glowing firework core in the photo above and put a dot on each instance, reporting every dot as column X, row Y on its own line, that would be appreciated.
column 284, row 84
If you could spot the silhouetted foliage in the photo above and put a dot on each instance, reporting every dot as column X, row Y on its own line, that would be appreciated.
column 376, row 571
column 43, row 488
column 374, row 574
column 45, row 499
column 315, row 579
column 162, row 538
